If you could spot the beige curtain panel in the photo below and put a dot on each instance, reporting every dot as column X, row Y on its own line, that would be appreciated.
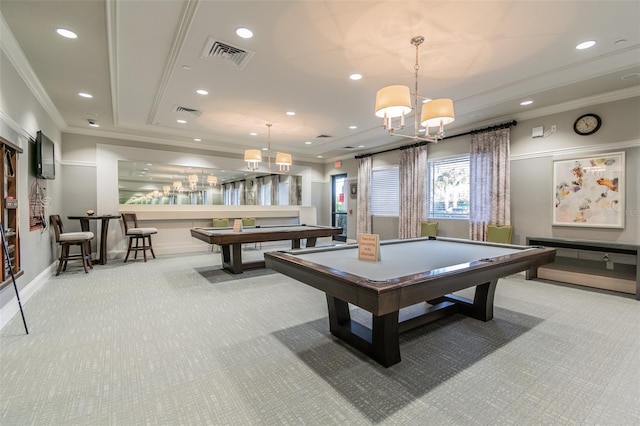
column 490, row 182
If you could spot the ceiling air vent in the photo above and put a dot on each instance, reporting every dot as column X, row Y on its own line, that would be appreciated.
column 323, row 136
column 178, row 108
column 349, row 147
column 225, row 54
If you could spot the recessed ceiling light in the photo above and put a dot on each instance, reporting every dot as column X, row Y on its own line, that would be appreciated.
column 186, row 67
column 319, row 156
column 525, row 103
column 355, row 76
column 66, row 33
column 265, row 149
column 307, row 143
column 360, row 146
column 197, row 139
column 585, row 44
column 353, row 127
column 85, row 95
column 202, row 92
column 291, row 113
column 244, row 32
column 253, row 134
column 181, row 121
column 93, row 124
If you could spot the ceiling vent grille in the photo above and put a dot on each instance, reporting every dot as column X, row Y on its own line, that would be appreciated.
column 192, row 111
column 348, row 147
column 323, row 136
column 225, row 54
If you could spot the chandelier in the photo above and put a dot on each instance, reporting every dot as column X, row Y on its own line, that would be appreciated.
column 396, row 102
column 193, row 181
column 212, row 180
column 253, row 157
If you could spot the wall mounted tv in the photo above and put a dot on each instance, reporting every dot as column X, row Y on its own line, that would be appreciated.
column 45, row 157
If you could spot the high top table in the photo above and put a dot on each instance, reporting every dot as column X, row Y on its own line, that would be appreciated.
column 84, row 224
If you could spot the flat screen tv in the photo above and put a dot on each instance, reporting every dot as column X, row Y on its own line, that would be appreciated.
column 45, row 157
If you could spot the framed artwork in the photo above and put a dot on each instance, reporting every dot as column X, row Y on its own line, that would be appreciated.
column 353, row 190
column 589, row 191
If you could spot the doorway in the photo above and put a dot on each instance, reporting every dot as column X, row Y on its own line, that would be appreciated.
column 339, row 205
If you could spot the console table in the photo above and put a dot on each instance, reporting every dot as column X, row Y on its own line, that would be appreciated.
column 600, row 264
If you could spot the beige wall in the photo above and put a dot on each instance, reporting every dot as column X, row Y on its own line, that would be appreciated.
column 531, row 165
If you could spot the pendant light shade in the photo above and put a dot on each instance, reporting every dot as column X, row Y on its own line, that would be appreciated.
column 252, row 157
column 284, row 161
column 393, row 101
column 436, row 113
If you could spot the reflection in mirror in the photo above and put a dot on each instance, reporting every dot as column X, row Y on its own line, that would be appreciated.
column 151, row 183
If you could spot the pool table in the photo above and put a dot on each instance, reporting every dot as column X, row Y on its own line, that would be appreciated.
column 231, row 242
column 410, row 286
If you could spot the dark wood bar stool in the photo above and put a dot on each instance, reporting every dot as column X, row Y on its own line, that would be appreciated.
column 68, row 239
column 141, row 236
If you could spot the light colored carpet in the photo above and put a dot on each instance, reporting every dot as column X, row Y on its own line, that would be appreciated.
column 175, row 341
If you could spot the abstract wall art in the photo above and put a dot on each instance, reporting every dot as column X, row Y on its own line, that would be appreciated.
column 589, row 191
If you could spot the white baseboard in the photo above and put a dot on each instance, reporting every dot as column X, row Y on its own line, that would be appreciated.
column 11, row 308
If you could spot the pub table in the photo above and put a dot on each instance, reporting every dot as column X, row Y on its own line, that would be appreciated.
column 84, row 224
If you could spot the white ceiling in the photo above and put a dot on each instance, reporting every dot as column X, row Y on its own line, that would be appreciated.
column 140, row 59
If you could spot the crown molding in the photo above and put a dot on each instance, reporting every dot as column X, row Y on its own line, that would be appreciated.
column 16, row 56
column 589, row 149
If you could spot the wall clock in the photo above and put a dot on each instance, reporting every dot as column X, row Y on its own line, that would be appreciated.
column 587, row 124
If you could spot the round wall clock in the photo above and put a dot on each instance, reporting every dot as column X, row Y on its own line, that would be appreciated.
column 587, row 124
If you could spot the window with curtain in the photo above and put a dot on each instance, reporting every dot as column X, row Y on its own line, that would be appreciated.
column 385, row 189
column 448, row 188
column 283, row 192
column 265, row 192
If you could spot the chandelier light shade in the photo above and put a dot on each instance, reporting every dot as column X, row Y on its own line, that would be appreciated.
column 284, row 161
column 193, row 181
column 177, row 185
column 437, row 113
column 393, row 101
column 252, row 157
column 212, row 180
column 166, row 189
column 398, row 101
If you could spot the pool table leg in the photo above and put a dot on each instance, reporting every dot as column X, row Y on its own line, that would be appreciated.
column 482, row 306
column 232, row 257
column 382, row 343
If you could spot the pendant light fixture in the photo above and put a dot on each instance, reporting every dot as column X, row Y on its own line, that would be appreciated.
column 397, row 101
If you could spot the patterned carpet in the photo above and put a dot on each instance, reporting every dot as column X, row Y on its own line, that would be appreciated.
column 176, row 341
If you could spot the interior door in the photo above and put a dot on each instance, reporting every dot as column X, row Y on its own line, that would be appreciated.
column 339, row 204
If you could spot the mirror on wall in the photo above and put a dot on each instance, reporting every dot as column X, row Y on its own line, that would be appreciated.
column 152, row 183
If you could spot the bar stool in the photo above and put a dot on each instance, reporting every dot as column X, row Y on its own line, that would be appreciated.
column 139, row 235
column 68, row 239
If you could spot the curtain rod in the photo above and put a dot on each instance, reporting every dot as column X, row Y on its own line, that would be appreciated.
column 417, row 144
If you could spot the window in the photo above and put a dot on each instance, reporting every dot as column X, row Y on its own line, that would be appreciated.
column 448, row 188
column 385, row 189
column 265, row 193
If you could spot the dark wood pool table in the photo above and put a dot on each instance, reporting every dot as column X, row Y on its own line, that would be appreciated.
column 231, row 242
column 410, row 286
